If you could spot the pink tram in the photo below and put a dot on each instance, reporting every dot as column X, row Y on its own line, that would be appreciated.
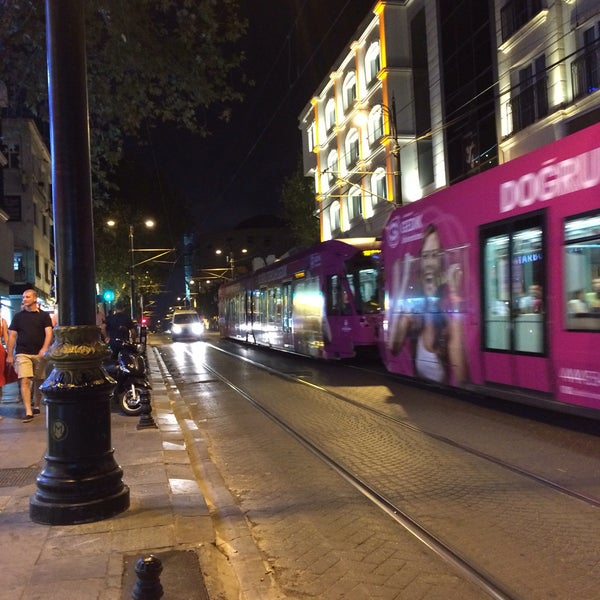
column 493, row 284
column 319, row 301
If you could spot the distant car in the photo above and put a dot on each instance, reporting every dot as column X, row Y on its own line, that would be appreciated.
column 186, row 324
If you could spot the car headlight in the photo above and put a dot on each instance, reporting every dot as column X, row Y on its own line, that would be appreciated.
column 176, row 329
column 197, row 328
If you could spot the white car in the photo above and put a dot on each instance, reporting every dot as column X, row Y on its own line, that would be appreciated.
column 186, row 324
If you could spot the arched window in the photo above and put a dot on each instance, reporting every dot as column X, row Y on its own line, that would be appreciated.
column 330, row 114
column 372, row 62
column 349, row 90
column 378, row 187
column 352, row 148
column 334, row 216
column 375, row 124
column 332, row 167
column 354, row 203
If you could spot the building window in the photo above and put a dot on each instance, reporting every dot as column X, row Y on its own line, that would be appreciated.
column 378, row 187
column 354, row 203
column 375, row 124
column 330, row 115
column 585, row 69
column 582, row 272
column 14, row 156
column 516, row 13
column 37, row 264
column 334, row 216
column 46, row 272
column 530, row 104
column 12, row 206
column 332, row 167
column 349, row 91
column 35, row 214
column 311, row 134
column 45, row 225
column 19, row 267
column 372, row 62
column 352, row 148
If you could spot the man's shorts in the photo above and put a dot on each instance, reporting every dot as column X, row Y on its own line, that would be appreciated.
column 30, row 365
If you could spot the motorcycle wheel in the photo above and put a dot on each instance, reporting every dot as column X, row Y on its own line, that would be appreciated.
column 129, row 403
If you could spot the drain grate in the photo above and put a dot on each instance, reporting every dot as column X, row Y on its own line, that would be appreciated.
column 17, row 477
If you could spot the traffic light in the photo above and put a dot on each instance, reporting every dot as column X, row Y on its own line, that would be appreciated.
column 108, row 296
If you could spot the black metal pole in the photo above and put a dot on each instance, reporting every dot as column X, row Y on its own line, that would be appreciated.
column 80, row 482
column 132, row 273
column 399, row 200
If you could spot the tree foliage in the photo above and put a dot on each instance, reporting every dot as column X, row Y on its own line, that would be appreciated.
column 298, row 199
column 148, row 62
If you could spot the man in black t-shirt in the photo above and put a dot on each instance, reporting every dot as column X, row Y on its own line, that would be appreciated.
column 29, row 337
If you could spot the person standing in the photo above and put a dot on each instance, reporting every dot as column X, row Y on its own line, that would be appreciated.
column 118, row 326
column 29, row 338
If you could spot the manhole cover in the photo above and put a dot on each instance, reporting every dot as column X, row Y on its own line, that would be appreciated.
column 17, row 477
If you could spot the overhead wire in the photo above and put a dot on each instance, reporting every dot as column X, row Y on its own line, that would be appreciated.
column 284, row 98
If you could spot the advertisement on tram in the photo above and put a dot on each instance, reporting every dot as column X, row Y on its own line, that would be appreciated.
column 494, row 283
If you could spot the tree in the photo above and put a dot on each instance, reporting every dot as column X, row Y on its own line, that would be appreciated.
column 148, row 62
column 298, row 200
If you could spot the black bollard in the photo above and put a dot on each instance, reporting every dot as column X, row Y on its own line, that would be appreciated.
column 146, row 420
column 148, row 586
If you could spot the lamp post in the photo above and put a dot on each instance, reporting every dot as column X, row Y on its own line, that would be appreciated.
column 149, row 224
column 131, row 273
column 230, row 258
column 394, row 125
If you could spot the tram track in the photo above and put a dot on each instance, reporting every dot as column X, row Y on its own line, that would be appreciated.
column 433, row 492
column 463, row 566
column 556, row 486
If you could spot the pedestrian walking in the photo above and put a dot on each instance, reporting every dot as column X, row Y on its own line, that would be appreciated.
column 29, row 338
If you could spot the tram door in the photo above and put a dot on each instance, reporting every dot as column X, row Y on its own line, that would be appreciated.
column 286, row 315
column 514, row 303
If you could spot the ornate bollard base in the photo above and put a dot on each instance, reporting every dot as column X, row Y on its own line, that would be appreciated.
column 146, row 419
column 80, row 482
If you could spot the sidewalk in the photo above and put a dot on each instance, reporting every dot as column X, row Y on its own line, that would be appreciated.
column 167, row 517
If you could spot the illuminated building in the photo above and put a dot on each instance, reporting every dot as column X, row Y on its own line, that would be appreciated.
column 430, row 92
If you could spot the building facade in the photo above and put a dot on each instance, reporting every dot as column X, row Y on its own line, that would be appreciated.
column 430, row 92
column 27, row 203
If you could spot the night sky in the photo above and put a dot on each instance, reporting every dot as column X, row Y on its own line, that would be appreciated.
column 238, row 172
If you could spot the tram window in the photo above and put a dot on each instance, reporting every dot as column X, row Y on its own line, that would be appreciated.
column 582, row 272
column 369, row 296
column 334, row 296
column 514, row 291
column 338, row 299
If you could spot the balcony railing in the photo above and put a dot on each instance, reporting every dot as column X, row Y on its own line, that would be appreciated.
column 585, row 72
column 530, row 105
column 516, row 13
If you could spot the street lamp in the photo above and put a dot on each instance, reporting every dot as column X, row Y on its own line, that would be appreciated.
column 149, row 224
column 230, row 258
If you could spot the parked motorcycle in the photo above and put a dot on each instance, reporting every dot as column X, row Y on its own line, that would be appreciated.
column 127, row 366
